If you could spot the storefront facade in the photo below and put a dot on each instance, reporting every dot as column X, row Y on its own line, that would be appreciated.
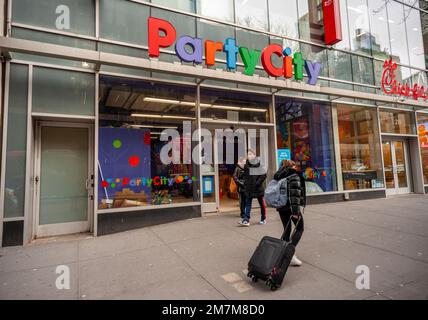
column 93, row 91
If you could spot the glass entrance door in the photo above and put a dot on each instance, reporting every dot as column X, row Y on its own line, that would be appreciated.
column 63, row 179
column 396, row 166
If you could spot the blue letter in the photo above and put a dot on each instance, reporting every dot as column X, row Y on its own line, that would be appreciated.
column 313, row 70
column 231, row 52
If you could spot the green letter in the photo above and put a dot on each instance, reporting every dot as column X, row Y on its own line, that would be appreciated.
column 250, row 59
column 298, row 66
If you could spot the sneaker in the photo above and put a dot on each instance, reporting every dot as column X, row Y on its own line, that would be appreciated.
column 262, row 222
column 295, row 262
column 244, row 223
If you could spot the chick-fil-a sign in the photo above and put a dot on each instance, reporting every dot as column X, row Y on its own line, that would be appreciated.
column 391, row 86
column 162, row 34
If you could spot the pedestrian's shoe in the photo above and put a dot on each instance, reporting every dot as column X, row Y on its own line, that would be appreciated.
column 244, row 223
column 295, row 262
column 263, row 221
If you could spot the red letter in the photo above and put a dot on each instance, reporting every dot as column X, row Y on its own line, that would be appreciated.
column 211, row 48
column 156, row 41
column 267, row 62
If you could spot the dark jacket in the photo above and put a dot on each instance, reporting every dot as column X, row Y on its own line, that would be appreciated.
column 296, row 185
column 238, row 177
column 254, row 183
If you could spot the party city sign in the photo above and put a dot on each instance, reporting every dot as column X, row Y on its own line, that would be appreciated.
column 162, row 34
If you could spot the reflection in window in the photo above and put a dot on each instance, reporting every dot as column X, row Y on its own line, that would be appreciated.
column 234, row 106
column 379, row 28
column 414, row 37
column 283, row 20
column 359, row 26
column 423, row 141
column 424, row 23
column 304, row 130
column 218, row 9
column 133, row 116
column 310, row 20
column 345, row 43
column 397, row 28
column 339, row 64
column 359, row 147
column 252, row 13
column 393, row 121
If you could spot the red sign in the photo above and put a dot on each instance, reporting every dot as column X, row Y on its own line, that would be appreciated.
column 391, row 86
column 332, row 22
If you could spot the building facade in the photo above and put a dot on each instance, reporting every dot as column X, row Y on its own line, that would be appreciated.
column 90, row 86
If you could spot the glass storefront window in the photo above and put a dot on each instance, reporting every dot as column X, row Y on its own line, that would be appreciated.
column 234, row 106
column 219, row 9
column 16, row 145
column 414, row 36
column 184, row 5
column 252, row 13
column 359, row 26
column 124, row 21
column 379, row 29
column 360, row 150
column 76, row 16
column 305, row 134
column 423, row 141
column 310, row 20
column 397, row 28
column 63, row 91
column 394, row 121
column 283, row 19
column 133, row 117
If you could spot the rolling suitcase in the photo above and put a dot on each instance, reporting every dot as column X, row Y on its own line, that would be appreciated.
column 271, row 259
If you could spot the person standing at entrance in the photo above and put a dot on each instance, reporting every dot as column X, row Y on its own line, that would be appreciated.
column 296, row 200
column 238, row 178
column 254, row 177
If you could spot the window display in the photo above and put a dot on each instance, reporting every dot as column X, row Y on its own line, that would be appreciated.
column 394, row 121
column 359, row 147
column 423, row 141
column 133, row 117
column 304, row 134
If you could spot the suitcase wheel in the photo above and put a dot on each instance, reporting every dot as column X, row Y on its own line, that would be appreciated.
column 254, row 279
column 271, row 285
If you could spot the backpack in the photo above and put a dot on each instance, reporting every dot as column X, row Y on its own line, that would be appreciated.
column 277, row 193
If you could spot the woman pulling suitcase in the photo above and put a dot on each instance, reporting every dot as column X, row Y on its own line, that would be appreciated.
column 296, row 201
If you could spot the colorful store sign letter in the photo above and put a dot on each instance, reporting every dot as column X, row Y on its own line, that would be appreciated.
column 162, row 34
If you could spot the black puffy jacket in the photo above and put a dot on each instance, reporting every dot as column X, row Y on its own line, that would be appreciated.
column 296, row 186
column 238, row 178
column 254, row 181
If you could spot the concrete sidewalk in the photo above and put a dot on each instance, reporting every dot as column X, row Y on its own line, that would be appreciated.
column 206, row 258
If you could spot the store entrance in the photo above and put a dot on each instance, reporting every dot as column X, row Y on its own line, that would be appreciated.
column 396, row 166
column 63, row 178
column 220, row 192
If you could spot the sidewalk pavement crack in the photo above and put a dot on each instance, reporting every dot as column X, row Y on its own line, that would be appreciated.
column 190, row 266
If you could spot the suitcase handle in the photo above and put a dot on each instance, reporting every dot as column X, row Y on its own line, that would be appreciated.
column 295, row 228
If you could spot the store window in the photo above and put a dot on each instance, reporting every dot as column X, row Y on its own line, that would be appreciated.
column 134, row 115
column 360, row 150
column 304, row 134
column 395, row 121
column 252, row 13
column 219, row 9
column 124, row 21
column 76, row 16
column 423, row 141
column 16, row 145
column 220, row 105
column 414, row 36
column 398, row 34
column 283, row 20
column 63, row 92
column 359, row 26
column 184, row 5
column 379, row 29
